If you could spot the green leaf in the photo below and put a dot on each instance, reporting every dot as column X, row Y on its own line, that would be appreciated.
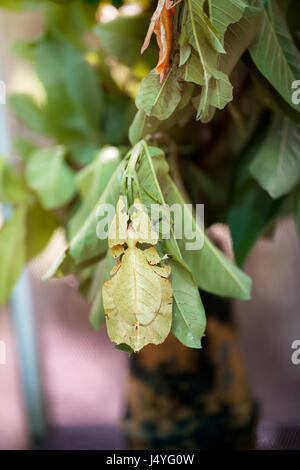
column 24, row 147
column 12, row 186
column 211, row 269
column 85, row 276
column 40, row 228
column 20, row 4
column 207, row 66
column 74, row 106
column 141, row 126
column 24, row 48
column 274, row 52
column 215, row 273
column 69, row 17
column 152, row 168
column 82, row 153
column 91, row 182
column 85, row 244
column 51, row 178
column 187, row 93
column 92, row 179
column 225, row 12
column 198, row 23
column 159, row 99
column 118, row 116
column 276, row 165
column 12, row 252
column 238, row 38
column 124, row 348
column 62, row 266
column 267, row 95
column 188, row 312
column 185, row 53
column 193, row 70
column 123, row 37
column 202, row 67
column 151, row 164
column 29, row 111
column 221, row 92
column 203, row 61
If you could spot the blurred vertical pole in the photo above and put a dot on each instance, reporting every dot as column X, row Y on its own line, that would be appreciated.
column 23, row 318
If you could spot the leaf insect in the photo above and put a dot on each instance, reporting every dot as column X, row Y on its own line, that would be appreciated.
column 137, row 299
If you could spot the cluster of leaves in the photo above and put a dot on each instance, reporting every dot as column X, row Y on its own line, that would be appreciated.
column 207, row 268
column 202, row 62
column 242, row 162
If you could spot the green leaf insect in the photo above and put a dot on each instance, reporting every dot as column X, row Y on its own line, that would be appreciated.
column 137, row 299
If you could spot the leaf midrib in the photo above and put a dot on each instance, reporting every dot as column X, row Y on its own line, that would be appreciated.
column 192, row 19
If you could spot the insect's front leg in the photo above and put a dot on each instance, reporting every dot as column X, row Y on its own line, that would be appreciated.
column 116, row 268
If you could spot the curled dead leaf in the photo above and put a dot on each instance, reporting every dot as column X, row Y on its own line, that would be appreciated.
column 162, row 26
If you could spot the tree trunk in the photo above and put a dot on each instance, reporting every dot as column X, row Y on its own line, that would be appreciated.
column 181, row 398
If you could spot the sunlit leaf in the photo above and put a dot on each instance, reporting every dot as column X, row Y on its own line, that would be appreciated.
column 91, row 182
column 12, row 186
column 85, row 244
column 48, row 174
column 40, row 228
